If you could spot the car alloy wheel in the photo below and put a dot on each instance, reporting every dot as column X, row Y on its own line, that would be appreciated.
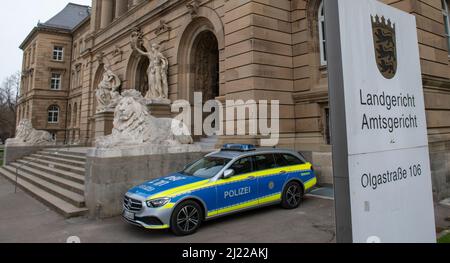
column 186, row 218
column 292, row 195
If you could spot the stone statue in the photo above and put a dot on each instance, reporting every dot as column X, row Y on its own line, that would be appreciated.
column 107, row 92
column 27, row 135
column 158, row 87
column 134, row 125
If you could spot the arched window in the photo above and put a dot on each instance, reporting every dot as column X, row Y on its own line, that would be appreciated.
column 445, row 12
column 53, row 114
column 322, row 39
column 75, row 115
column 69, row 116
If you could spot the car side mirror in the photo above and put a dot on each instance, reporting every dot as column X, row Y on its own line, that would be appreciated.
column 228, row 174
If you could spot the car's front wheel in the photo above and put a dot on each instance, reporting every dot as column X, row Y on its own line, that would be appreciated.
column 186, row 218
column 292, row 195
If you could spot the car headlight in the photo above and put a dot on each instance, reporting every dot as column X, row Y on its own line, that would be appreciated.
column 155, row 203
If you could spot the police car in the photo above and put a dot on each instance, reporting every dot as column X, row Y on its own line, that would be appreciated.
column 236, row 178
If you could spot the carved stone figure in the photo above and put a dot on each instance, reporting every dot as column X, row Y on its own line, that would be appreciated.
column 158, row 87
column 193, row 7
column 27, row 135
column 107, row 92
column 134, row 125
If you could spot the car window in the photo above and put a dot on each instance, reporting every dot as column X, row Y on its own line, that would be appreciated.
column 280, row 161
column 207, row 167
column 264, row 162
column 242, row 166
column 292, row 160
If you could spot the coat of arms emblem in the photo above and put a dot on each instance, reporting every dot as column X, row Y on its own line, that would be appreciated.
column 385, row 46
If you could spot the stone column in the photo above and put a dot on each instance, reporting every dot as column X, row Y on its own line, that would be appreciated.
column 121, row 7
column 107, row 13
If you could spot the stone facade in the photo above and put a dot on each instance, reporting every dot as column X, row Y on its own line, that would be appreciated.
column 230, row 49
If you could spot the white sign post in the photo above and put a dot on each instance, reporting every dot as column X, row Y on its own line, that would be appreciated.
column 381, row 164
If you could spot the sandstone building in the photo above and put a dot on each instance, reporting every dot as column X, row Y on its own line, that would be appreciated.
column 229, row 49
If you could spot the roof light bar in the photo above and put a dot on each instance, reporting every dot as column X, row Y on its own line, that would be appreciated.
column 239, row 147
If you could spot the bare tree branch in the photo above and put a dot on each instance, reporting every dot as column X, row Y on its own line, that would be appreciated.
column 9, row 93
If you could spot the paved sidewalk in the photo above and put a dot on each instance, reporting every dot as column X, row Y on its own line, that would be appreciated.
column 24, row 219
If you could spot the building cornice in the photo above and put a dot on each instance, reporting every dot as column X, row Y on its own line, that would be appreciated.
column 105, row 37
column 42, row 28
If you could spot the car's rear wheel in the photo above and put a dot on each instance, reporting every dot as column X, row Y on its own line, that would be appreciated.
column 186, row 218
column 292, row 195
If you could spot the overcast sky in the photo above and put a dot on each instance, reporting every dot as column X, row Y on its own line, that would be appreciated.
column 18, row 19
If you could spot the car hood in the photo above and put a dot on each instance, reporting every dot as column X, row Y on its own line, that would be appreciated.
column 160, row 185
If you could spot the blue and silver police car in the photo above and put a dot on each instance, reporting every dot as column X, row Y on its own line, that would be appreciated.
column 236, row 178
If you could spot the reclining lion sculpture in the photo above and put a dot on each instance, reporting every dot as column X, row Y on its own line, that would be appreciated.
column 134, row 125
column 27, row 135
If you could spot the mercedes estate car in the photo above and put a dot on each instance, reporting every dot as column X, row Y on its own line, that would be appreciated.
column 236, row 178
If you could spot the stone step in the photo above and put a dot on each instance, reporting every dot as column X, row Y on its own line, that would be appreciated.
column 65, row 151
column 54, row 179
column 77, row 178
column 212, row 140
column 57, row 165
column 208, row 141
column 64, row 194
column 206, row 147
column 59, row 160
column 59, row 205
column 63, row 155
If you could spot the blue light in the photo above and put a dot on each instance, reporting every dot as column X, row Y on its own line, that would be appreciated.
column 238, row 147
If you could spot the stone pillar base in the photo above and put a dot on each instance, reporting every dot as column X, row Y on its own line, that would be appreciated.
column 110, row 173
column 103, row 123
column 160, row 110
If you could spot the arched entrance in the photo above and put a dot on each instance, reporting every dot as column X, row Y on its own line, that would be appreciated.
column 198, row 65
column 141, row 78
column 204, row 73
column 205, row 65
column 198, row 59
column 136, row 76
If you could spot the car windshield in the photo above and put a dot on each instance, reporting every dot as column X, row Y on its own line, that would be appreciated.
column 207, row 167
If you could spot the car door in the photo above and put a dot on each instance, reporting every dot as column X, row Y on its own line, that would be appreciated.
column 240, row 191
column 271, row 177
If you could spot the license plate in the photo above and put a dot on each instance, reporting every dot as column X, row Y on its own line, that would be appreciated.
column 128, row 215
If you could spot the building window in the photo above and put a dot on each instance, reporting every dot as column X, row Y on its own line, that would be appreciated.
column 58, row 53
column 55, row 83
column 75, row 115
column 322, row 39
column 75, row 55
column 33, row 53
column 446, row 22
column 53, row 114
column 69, row 116
column 78, row 79
column 80, row 47
column 327, row 126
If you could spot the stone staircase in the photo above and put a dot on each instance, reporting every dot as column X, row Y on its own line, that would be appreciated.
column 208, row 143
column 53, row 176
